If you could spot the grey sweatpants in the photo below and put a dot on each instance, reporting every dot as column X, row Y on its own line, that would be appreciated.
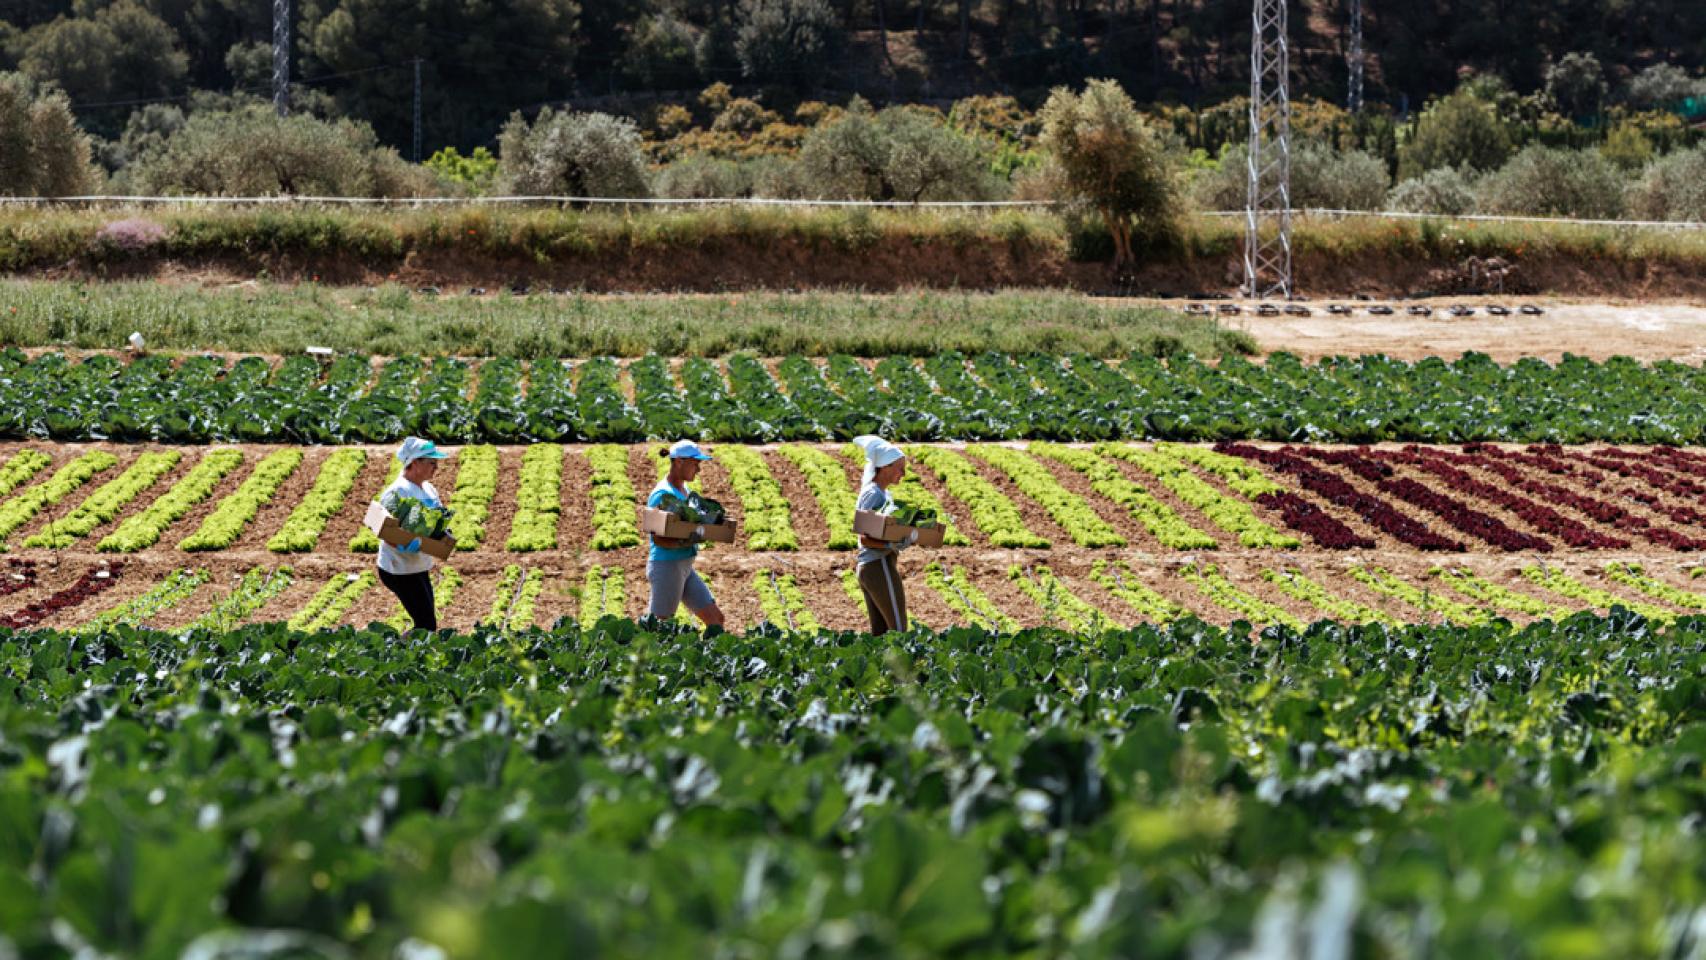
column 674, row 582
column 885, row 595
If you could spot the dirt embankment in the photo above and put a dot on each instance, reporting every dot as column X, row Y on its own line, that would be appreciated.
column 898, row 263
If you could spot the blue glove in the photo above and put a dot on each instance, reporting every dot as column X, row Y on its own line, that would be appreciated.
column 433, row 504
column 413, row 546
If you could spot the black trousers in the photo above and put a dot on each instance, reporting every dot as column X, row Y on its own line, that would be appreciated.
column 415, row 592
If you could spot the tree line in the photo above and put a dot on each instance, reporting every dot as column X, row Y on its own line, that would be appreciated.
column 479, row 62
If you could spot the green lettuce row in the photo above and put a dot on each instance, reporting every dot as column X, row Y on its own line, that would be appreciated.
column 143, row 530
column 443, row 595
column 1429, row 602
column 1631, row 575
column 20, row 467
column 968, row 601
column 1499, row 597
column 257, row 588
column 834, row 495
column 1220, row 591
column 911, row 491
column 1565, row 585
column 1158, row 518
column 168, row 593
column 1295, row 584
column 225, row 524
column 538, row 502
column 991, row 510
column 1241, row 475
column 504, row 596
column 604, row 594
column 1235, row 517
column 1119, row 579
column 476, row 485
column 22, row 508
column 1067, row 508
column 767, row 516
column 522, row 611
column 365, row 540
column 106, row 502
column 1058, row 604
column 615, row 522
column 782, row 603
column 328, row 607
column 301, row 530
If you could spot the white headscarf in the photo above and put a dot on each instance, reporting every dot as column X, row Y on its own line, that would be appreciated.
column 878, row 453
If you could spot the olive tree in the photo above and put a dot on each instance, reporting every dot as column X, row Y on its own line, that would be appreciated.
column 42, row 150
column 1109, row 160
column 580, row 154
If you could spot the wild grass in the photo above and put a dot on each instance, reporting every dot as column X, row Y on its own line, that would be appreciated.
column 392, row 320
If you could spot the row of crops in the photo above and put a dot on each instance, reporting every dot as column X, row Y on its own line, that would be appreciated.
column 806, row 599
column 608, row 790
column 302, row 399
column 1177, row 497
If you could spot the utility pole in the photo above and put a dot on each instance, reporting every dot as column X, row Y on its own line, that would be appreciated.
column 1354, row 100
column 1267, row 216
column 281, row 57
column 417, row 109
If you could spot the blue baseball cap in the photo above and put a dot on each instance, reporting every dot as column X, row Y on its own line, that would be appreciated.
column 414, row 448
column 687, row 450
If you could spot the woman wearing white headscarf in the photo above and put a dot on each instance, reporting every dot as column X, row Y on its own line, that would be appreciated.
column 878, row 573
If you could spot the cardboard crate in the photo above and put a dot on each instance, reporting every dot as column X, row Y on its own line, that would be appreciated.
column 666, row 524
column 878, row 527
column 388, row 530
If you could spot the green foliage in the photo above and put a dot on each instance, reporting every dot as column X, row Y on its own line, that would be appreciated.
column 1550, row 182
column 1320, row 177
column 1111, row 161
column 1672, row 188
column 104, row 504
column 1627, row 148
column 898, row 154
column 326, row 609
column 827, row 478
column 663, row 53
column 782, row 604
column 476, row 484
column 21, row 509
column 123, row 50
column 787, row 42
column 572, row 154
column 258, row 587
column 20, row 467
column 615, row 522
column 1460, row 131
column 173, row 589
column 1233, row 516
column 991, row 510
column 1576, row 83
column 474, row 173
column 1066, row 508
column 249, row 151
column 1243, row 605
column 1159, row 519
column 1446, row 191
column 603, row 594
column 1295, row 584
column 767, row 519
column 965, row 599
column 43, row 153
column 1060, row 607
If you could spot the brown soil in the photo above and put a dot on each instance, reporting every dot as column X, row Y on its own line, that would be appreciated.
column 276, row 508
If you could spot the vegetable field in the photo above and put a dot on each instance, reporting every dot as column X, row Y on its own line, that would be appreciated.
column 1260, row 695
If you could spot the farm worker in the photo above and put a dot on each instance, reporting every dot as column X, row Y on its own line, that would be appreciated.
column 404, row 570
column 878, row 573
column 669, row 566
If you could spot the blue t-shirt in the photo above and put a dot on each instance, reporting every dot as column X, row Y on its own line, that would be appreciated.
column 665, row 554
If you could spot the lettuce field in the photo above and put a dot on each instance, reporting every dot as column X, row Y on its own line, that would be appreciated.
column 1359, row 658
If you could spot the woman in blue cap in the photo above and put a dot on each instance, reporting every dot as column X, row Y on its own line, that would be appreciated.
column 404, row 570
column 669, row 565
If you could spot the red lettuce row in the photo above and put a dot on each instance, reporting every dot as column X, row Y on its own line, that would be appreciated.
column 1503, row 462
column 1336, row 490
column 1540, row 517
column 1459, row 515
column 94, row 582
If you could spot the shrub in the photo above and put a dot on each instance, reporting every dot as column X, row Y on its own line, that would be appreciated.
column 898, row 154
column 1458, row 131
column 1627, row 148
column 1672, row 188
column 1446, row 191
column 1320, row 177
column 473, row 173
column 663, row 54
column 1661, row 85
column 698, row 176
column 1576, row 83
column 580, row 154
column 42, row 150
column 1111, row 161
column 1549, row 182
column 742, row 115
column 787, row 42
column 250, row 151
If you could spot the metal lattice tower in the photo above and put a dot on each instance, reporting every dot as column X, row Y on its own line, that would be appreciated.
column 1353, row 102
column 281, row 56
column 1267, row 234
